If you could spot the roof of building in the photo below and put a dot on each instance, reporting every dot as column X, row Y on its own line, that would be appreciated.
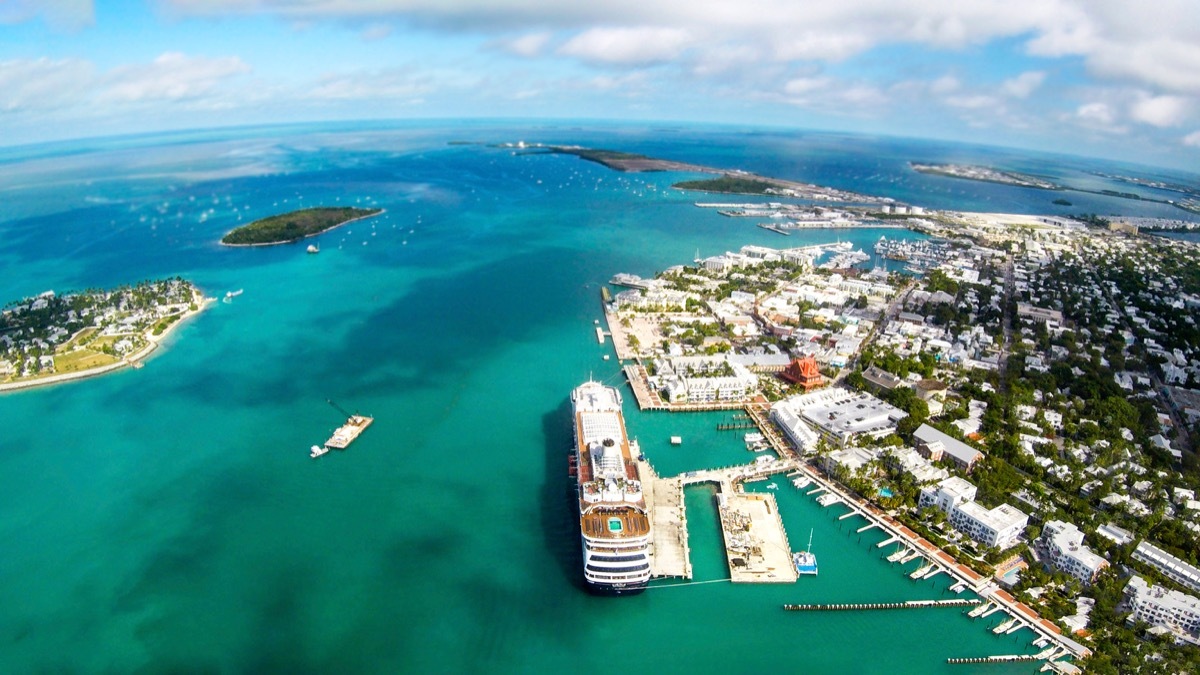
column 962, row 452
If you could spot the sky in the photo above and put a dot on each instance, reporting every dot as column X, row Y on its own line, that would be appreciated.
column 1107, row 78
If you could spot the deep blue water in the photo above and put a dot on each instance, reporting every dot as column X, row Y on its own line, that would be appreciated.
column 169, row 518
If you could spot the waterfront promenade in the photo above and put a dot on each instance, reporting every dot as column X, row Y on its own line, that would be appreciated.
column 939, row 559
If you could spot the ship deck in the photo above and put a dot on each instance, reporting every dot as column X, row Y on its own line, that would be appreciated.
column 344, row 435
column 615, row 524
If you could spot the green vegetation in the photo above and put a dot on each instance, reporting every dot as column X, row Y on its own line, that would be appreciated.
column 609, row 158
column 289, row 227
column 727, row 183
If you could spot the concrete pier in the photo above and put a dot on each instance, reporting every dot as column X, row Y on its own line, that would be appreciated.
column 756, row 544
column 890, row 540
column 848, row 515
column 866, row 527
column 670, row 555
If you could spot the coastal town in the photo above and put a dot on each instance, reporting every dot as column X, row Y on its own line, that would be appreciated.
column 54, row 338
column 1017, row 409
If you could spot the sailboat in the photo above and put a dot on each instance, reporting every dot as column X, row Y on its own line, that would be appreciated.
column 805, row 561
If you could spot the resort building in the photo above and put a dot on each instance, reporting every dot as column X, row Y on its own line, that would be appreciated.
column 1158, row 606
column 935, row 446
column 843, row 414
column 1061, row 544
column 703, row 379
column 999, row 527
column 1171, row 567
column 911, row 462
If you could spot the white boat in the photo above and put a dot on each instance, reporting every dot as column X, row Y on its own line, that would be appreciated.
column 314, row 248
column 677, row 440
column 805, row 561
column 317, row 451
column 614, row 520
column 230, row 295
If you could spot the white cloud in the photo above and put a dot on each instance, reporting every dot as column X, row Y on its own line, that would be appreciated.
column 390, row 84
column 973, row 101
column 945, row 85
column 44, row 84
column 1024, row 84
column 802, row 86
column 171, row 76
column 1160, row 111
column 376, row 31
column 1192, row 139
column 627, row 46
column 528, row 45
column 1096, row 112
column 59, row 14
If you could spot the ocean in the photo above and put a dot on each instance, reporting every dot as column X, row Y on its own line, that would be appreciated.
column 170, row 519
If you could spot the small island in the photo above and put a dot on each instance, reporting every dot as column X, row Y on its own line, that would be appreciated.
column 56, row 338
column 286, row 228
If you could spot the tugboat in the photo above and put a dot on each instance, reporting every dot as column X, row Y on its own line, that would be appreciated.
column 805, row 561
column 317, row 451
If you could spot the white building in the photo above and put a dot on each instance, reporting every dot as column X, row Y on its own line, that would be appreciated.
column 999, row 527
column 843, row 414
column 704, row 379
column 1158, row 606
column 1171, row 567
column 1062, row 546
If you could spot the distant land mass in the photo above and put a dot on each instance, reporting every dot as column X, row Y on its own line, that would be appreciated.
column 628, row 161
column 985, row 174
column 989, row 174
column 734, row 182
column 295, row 225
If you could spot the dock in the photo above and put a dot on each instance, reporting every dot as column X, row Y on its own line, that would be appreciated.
column 344, row 435
column 911, row 604
column 670, row 555
column 756, row 545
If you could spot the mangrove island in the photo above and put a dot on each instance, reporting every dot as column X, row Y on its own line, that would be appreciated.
column 294, row 226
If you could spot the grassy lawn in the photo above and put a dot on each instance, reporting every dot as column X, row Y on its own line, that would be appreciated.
column 81, row 359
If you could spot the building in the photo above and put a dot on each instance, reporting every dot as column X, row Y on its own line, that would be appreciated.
column 910, row 461
column 881, row 380
column 999, row 527
column 1157, row 606
column 842, row 414
column 1039, row 314
column 805, row 373
column 1171, row 567
column 703, row 379
column 1061, row 544
column 935, row 446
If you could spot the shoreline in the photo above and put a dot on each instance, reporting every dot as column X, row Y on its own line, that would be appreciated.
column 293, row 241
column 152, row 344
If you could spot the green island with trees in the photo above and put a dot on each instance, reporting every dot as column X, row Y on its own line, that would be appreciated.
column 295, row 225
column 730, row 184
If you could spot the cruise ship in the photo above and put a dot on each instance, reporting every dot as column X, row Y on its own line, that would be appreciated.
column 613, row 519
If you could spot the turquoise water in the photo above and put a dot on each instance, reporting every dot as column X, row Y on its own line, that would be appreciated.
column 169, row 518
